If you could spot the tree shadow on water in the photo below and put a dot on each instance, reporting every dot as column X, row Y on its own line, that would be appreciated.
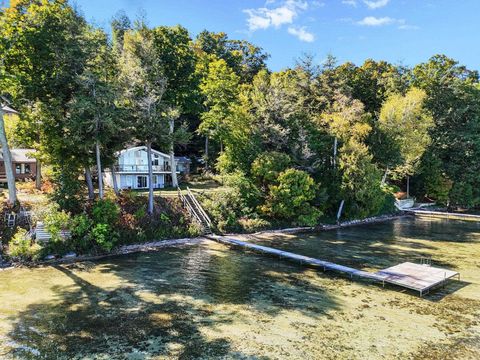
column 87, row 320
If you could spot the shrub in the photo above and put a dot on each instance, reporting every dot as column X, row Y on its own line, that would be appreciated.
column 253, row 224
column 22, row 247
column 81, row 226
column 248, row 192
column 290, row 199
column 105, row 212
column 462, row 194
column 361, row 182
column 69, row 191
column 104, row 236
column 268, row 165
column 55, row 221
column 225, row 208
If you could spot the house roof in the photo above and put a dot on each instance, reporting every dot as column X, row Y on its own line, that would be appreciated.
column 182, row 159
column 144, row 148
column 21, row 155
column 8, row 110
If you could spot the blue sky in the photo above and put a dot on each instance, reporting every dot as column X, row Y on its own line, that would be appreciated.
column 399, row 31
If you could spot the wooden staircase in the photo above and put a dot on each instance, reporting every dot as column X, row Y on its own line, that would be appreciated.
column 195, row 210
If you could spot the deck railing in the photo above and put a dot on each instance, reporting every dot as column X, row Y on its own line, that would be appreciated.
column 141, row 168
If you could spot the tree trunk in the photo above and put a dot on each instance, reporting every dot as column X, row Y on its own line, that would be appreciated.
column 114, row 180
column 206, row 152
column 384, row 178
column 7, row 159
column 408, row 186
column 150, row 178
column 88, row 180
column 335, row 146
column 172, row 155
column 38, row 175
column 99, row 171
column 340, row 209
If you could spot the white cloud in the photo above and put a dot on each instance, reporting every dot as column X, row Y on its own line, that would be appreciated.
column 301, row 33
column 375, row 4
column 318, row 4
column 408, row 27
column 379, row 21
column 263, row 18
column 350, row 2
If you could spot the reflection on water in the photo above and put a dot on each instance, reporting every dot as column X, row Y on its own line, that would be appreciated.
column 190, row 302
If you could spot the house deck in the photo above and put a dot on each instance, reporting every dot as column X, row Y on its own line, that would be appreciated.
column 408, row 275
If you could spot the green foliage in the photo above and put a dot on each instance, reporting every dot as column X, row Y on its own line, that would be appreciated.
column 220, row 88
column 102, row 234
column 463, row 195
column 80, row 228
column 69, row 192
column 291, row 198
column 21, row 247
column 226, row 208
column 453, row 96
column 247, row 190
column 430, row 180
column 268, row 165
column 105, row 211
column 361, row 182
column 56, row 222
column 405, row 120
column 243, row 57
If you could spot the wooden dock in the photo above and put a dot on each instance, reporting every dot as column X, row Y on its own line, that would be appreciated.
column 444, row 215
column 408, row 275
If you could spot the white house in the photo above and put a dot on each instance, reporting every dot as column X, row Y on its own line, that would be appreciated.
column 131, row 169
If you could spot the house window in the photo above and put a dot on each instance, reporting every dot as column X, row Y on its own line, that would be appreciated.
column 18, row 169
column 27, row 168
column 141, row 182
column 155, row 160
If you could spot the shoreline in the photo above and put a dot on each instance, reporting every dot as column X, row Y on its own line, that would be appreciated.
column 160, row 244
column 124, row 250
column 328, row 227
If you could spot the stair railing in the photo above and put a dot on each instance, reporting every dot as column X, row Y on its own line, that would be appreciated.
column 199, row 207
column 189, row 207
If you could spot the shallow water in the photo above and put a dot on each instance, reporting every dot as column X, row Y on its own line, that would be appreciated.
column 209, row 301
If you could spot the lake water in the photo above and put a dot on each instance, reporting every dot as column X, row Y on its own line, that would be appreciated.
column 210, row 301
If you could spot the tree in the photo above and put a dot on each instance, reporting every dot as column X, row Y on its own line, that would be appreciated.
column 7, row 159
column 41, row 46
column 453, row 99
column 174, row 50
column 291, row 198
column 268, row 165
column 144, row 84
column 244, row 58
column 360, row 177
column 405, row 120
column 221, row 90
column 94, row 119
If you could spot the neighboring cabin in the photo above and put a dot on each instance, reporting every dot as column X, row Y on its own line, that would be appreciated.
column 24, row 165
column 131, row 169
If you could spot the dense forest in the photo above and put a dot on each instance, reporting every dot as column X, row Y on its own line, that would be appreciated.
column 291, row 145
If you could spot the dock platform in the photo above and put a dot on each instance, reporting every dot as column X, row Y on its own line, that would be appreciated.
column 408, row 275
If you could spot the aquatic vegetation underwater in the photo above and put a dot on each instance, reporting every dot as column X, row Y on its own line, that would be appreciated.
column 209, row 301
